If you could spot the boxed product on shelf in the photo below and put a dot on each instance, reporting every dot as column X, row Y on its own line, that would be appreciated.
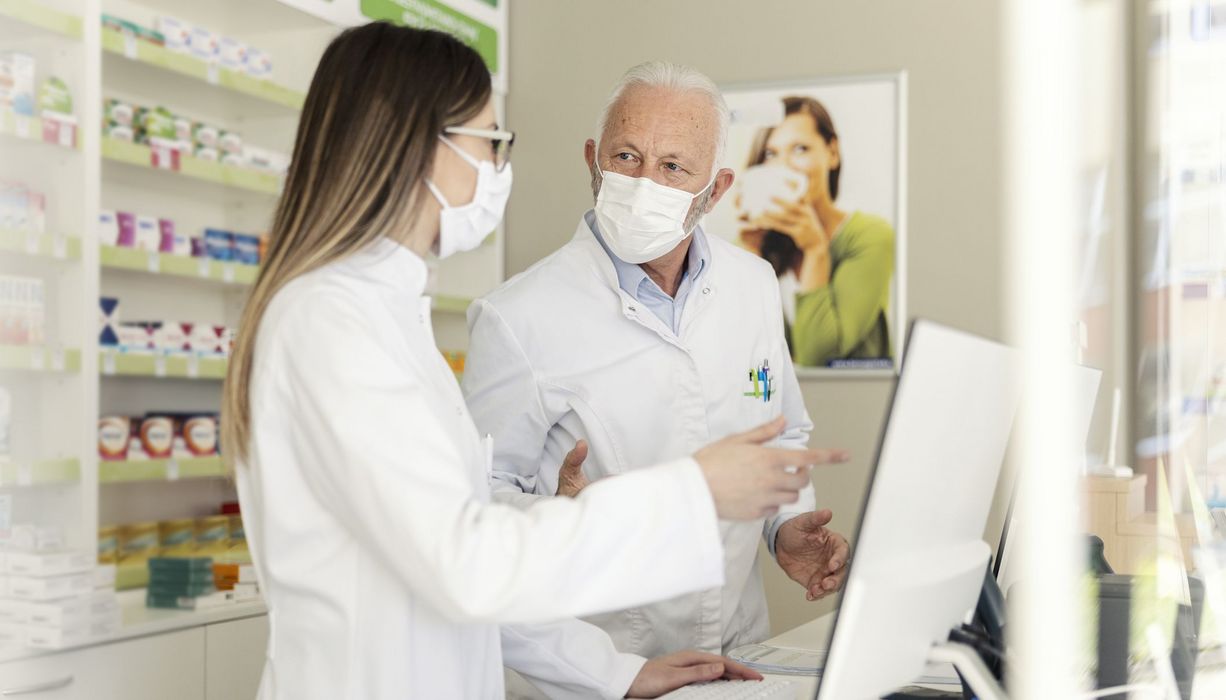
column 266, row 160
column 136, row 336
column 17, row 83
column 108, row 548
column 22, row 209
column 232, row 53
column 138, row 542
column 133, row 29
column 213, row 534
column 177, row 538
column 115, row 111
column 246, row 249
column 53, row 563
column 22, row 313
column 148, row 234
column 54, row 97
column 258, row 64
column 157, row 436
column 39, row 588
column 205, row 136
column 195, row 435
column 158, row 126
column 202, row 43
column 108, row 333
column 175, row 32
column 219, row 244
column 230, row 143
column 174, row 242
column 114, row 434
column 30, row 537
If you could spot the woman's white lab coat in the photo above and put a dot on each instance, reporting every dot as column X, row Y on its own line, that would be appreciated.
column 386, row 569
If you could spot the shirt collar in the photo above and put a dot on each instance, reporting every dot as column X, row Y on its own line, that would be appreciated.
column 630, row 277
column 390, row 263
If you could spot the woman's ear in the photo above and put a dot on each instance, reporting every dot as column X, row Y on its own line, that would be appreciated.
column 836, row 159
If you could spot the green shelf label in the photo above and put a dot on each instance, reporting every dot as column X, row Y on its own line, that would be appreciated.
column 430, row 14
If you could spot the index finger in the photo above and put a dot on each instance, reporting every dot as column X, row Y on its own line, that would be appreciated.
column 739, row 672
column 784, row 457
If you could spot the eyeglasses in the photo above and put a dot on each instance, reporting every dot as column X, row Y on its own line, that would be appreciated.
column 500, row 142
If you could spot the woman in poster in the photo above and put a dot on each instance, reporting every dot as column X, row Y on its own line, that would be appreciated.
column 836, row 265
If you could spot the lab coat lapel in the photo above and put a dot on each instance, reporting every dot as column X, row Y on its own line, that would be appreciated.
column 599, row 264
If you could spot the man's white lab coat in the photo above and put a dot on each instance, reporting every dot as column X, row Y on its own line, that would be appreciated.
column 562, row 353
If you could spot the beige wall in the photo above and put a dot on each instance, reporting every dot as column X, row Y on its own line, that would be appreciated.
column 566, row 54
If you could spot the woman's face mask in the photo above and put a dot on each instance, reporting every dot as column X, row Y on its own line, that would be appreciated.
column 462, row 228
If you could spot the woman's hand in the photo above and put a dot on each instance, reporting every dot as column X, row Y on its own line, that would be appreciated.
column 665, row 674
column 797, row 219
column 749, row 481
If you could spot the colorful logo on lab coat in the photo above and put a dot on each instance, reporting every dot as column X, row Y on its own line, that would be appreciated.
column 761, row 382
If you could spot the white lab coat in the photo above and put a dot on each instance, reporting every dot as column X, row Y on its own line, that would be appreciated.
column 366, row 497
column 561, row 352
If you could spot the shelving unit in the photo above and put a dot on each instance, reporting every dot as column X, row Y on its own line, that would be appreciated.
column 31, row 129
column 142, row 156
column 46, row 246
column 112, row 363
column 56, row 471
column 117, row 42
column 61, row 387
column 116, row 472
column 44, row 18
column 177, row 265
column 38, row 358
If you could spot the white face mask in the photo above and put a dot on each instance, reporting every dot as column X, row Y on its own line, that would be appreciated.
column 463, row 228
column 640, row 219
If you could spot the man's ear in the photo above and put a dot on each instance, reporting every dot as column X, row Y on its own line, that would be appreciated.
column 589, row 153
column 723, row 183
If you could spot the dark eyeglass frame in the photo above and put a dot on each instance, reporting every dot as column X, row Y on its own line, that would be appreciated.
column 500, row 140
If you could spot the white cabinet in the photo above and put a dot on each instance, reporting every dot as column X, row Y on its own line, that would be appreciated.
column 55, row 677
column 221, row 661
column 160, row 667
column 234, row 658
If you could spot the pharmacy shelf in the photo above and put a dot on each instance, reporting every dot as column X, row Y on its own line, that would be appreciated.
column 189, row 166
column 117, row 258
column 112, row 363
column 36, row 15
column 30, row 129
column 450, row 305
column 115, row 41
column 39, row 358
column 119, row 472
column 45, row 246
column 56, row 471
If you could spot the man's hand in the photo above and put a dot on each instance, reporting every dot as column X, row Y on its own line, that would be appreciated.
column 665, row 674
column 814, row 556
column 570, row 477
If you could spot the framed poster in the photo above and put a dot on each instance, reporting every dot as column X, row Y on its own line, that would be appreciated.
column 820, row 194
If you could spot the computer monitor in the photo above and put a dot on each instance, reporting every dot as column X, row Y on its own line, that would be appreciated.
column 919, row 559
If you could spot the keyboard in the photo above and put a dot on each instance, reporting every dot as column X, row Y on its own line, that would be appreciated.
column 770, row 689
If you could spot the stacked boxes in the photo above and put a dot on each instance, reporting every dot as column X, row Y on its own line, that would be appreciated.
column 52, row 599
column 22, row 208
column 22, row 311
column 175, row 582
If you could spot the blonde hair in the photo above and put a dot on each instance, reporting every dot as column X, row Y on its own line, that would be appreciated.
column 379, row 99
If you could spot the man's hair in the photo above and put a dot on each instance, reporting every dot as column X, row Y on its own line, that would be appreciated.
column 678, row 78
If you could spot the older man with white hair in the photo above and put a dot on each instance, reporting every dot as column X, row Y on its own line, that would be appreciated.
column 643, row 339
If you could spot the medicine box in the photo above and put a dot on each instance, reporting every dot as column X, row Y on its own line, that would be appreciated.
column 49, row 587
column 48, row 563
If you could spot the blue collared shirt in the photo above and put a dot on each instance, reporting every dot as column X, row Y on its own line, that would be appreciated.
column 634, row 281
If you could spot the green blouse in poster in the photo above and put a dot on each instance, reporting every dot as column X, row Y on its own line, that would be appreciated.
column 847, row 318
